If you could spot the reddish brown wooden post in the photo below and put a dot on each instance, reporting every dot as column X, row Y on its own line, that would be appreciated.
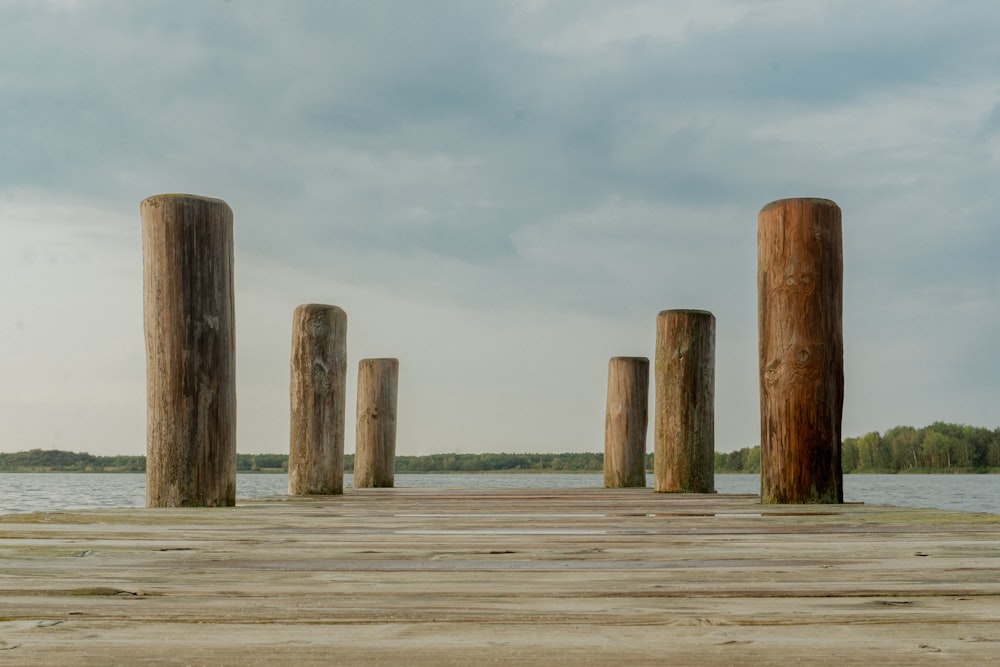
column 187, row 270
column 684, row 433
column 800, row 302
column 625, row 422
column 318, row 400
column 375, row 444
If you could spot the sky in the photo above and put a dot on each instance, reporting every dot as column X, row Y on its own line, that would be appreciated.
column 502, row 195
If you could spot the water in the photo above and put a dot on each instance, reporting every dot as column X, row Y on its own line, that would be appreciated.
column 45, row 492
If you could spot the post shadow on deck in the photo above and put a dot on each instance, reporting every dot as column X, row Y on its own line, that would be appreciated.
column 684, row 431
column 625, row 422
column 375, row 444
column 801, row 350
column 318, row 396
column 188, row 316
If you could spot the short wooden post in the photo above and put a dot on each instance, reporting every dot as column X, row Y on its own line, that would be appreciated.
column 375, row 446
column 318, row 392
column 187, row 269
column 684, row 431
column 800, row 304
column 625, row 422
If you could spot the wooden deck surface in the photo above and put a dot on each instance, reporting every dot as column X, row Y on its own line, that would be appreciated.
column 433, row 577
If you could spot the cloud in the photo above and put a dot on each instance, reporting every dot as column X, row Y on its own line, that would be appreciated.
column 73, row 352
column 505, row 191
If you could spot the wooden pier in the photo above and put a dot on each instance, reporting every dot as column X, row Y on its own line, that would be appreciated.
column 465, row 577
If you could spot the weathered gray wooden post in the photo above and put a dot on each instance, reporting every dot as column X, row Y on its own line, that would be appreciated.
column 187, row 269
column 684, row 426
column 375, row 445
column 318, row 392
column 625, row 422
column 801, row 343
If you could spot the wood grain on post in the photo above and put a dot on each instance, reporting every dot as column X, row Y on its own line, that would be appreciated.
column 684, row 432
column 188, row 314
column 625, row 422
column 800, row 302
column 375, row 446
column 318, row 392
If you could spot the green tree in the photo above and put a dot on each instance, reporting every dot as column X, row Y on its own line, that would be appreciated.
column 904, row 445
column 938, row 449
column 849, row 454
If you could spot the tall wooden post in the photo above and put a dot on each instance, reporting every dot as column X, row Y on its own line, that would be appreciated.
column 799, row 287
column 625, row 422
column 187, row 269
column 318, row 391
column 684, row 432
column 375, row 446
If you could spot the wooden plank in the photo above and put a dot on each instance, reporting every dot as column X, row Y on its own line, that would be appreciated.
column 800, row 276
column 537, row 576
column 318, row 398
column 684, row 437
column 375, row 440
column 625, row 421
column 189, row 321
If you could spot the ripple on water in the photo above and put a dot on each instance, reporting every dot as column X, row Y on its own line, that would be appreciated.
column 45, row 492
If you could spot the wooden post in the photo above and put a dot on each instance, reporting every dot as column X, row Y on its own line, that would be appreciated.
column 187, row 268
column 684, row 434
column 799, row 287
column 318, row 392
column 375, row 446
column 625, row 422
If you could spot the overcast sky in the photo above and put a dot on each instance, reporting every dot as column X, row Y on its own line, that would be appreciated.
column 502, row 195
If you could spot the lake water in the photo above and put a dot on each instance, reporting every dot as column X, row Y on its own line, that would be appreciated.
column 45, row 492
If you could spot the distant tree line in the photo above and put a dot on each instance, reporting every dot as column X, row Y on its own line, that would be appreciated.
column 935, row 448
column 54, row 460
column 580, row 462
column 746, row 460
column 263, row 463
column 939, row 447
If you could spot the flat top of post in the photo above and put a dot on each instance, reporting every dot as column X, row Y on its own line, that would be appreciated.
column 181, row 195
column 318, row 306
column 630, row 359
column 685, row 311
column 816, row 201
